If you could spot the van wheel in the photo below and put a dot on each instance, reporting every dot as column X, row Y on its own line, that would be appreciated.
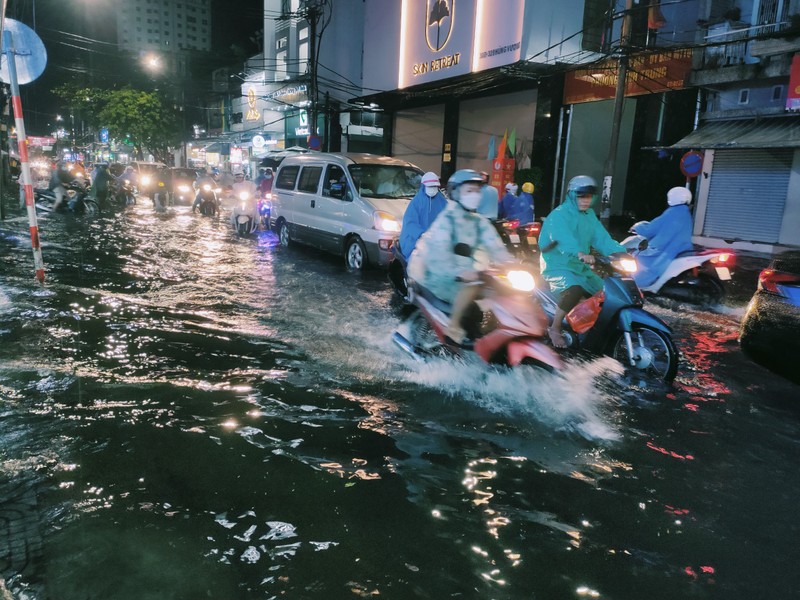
column 283, row 234
column 355, row 254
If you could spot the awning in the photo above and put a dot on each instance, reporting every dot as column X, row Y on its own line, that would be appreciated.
column 768, row 132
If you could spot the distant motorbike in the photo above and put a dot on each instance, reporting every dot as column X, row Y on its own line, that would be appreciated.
column 265, row 209
column 508, row 328
column 242, row 218
column 614, row 322
column 76, row 201
column 122, row 193
column 161, row 196
column 207, row 201
column 698, row 276
column 522, row 241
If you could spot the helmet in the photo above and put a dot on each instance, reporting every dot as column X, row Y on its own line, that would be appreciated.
column 582, row 184
column 679, row 195
column 527, row 187
column 460, row 177
column 430, row 178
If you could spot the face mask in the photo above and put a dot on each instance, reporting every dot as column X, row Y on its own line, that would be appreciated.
column 470, row 200
column 513, row 189
column 431, row 190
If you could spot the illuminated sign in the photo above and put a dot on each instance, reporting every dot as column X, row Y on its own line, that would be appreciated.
column 647, row 74
column 258, row 141
column 295, row 90
column 252, row 111
column 446, row 38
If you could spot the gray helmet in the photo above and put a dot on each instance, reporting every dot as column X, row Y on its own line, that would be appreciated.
column 582, row 184
column 460, row 177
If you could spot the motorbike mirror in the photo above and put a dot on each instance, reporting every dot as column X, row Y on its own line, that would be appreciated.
column 463, row 249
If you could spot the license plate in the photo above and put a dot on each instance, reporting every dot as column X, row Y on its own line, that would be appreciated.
column 513, row 238
column 532, row 241
column 242, row 219
column 724, row 273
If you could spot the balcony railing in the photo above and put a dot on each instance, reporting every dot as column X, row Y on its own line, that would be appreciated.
column 730, row 42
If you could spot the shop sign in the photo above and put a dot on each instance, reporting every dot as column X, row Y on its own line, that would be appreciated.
column 252, row 111
column 647, row 74
column 236, row 155
column 440, row 39
column 40, row 141
column 258, row 141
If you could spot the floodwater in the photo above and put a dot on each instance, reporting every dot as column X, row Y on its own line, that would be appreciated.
column 185, row 415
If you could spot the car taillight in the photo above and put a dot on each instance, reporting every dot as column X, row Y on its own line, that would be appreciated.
column 769, row 280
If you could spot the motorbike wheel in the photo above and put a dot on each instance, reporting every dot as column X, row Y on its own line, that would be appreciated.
column 423, row 338
column 283, row 234
column 710, row 291
column 90, row 208
column 659, row 356
column 355, row 255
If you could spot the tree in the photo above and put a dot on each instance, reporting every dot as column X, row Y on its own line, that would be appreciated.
column 144, row 119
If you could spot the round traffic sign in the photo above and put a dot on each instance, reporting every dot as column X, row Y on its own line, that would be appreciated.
column 315, row 142
column 691, row 164
column 31, row 56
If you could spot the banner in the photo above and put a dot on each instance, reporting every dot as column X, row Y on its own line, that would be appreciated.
column 502, row 173
column 793, row 94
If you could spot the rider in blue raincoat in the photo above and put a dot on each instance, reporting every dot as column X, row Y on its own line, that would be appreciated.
column 667, row 236
column 421, row 212
column 568, row 235
column 519, row 208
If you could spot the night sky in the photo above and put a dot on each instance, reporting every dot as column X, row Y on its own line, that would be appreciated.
column 80, row 38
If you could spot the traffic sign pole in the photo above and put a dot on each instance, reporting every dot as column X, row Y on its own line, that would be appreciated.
column 22, row 142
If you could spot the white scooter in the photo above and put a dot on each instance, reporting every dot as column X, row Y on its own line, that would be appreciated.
column 697, row 276
column 242, row 218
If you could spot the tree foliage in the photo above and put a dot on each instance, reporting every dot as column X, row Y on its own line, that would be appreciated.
column 145, row 119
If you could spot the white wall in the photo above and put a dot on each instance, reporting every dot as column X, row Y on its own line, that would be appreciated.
column 418, row 135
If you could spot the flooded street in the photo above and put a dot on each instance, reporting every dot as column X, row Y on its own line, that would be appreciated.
column 185, row 414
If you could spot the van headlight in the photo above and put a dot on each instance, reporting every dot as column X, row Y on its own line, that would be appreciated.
column 385, row 222
column 146, row 179
column 183, row 189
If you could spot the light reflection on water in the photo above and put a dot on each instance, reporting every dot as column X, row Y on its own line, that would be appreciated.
column 198, row 415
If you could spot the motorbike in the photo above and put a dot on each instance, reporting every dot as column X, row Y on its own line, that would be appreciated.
column 697, row 276
column 507, row 328
column 123, row 193
column 521, row 240
column 76, row 200
column 265, row 209
column 242, row 216
column 206, row 201
column 161, row 197
column 614, row 322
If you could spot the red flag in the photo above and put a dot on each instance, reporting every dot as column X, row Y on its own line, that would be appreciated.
column 655, row 18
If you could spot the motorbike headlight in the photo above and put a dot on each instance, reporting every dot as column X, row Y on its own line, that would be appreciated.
column 626, row 265
column 386, row 222
column 207, row 187
column 146, row 179
column 521, row 280
column 183, row 188
column 243, row 196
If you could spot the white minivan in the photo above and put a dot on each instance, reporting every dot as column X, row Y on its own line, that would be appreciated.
column 347, row 204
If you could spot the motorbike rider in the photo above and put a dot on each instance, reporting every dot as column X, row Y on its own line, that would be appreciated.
column 265, row 183
column 568, row 235
column 206, row 178
column 128, row 174
column 435, row 263
column 60, row 178
column 162, row 187
column 509, row 199
column 421, row 212
column 101, row 184
column 520, row 207
column 242, row 187
column 667, row 235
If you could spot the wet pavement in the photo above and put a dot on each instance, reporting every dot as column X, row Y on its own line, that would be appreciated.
column 186, row 414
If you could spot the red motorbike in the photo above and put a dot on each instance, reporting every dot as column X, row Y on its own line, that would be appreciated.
column 505, row 326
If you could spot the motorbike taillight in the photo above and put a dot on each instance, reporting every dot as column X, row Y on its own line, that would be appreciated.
column 724, row 259
column 770, row 279
column 513, row 224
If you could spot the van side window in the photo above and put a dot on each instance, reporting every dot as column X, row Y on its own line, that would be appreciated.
column 309, row 179
column 286, row 178
column 334, row 174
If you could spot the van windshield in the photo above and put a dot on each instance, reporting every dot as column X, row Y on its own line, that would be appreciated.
column 385, row 181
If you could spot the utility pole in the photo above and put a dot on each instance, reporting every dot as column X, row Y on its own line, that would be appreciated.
column 312, row 15
column 616, row 121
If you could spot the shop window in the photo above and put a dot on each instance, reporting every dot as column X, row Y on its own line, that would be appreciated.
column 595, row 24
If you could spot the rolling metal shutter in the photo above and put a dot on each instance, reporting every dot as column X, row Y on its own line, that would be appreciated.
column 747, row 194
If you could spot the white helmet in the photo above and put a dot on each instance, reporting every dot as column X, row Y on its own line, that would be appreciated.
column 431, row 179
column 679, row 195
